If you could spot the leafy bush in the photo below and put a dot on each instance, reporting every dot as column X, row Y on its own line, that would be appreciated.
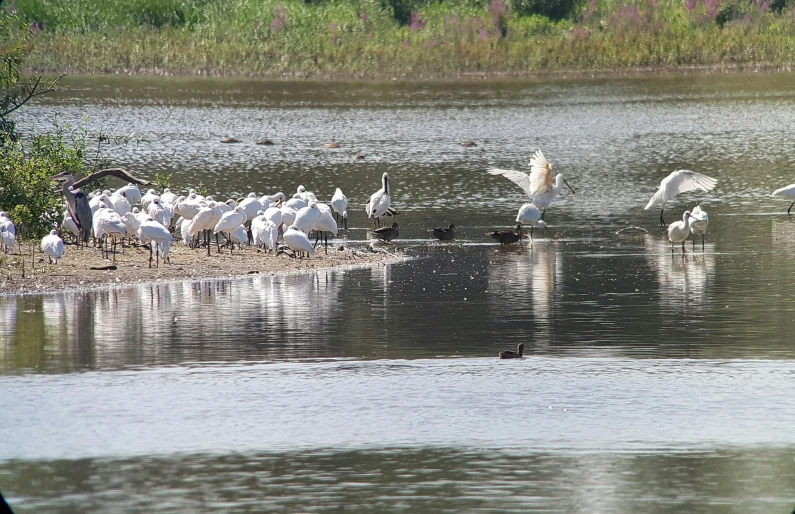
column 26, row 191
column 553, row 9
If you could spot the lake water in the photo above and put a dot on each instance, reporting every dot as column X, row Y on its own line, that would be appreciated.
column 652, row 383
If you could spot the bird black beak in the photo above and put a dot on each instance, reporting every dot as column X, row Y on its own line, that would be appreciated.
column 569, row 186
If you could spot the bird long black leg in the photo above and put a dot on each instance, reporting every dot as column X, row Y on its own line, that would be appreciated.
column 150, row 254
column 325, row 237
column 542, row 213
column 702, row 242
column 531, row 234
column 157, row 261
column 694, row 243
column 662, row 221
column 790, row 208
column 683, row 250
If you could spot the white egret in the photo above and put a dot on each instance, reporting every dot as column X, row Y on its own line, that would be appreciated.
column 270, row 235
column 159, row 212
column 531, row 215
column 288, row 215
column 229, row 222
column 120, row 204
column 52, row 245
column 251, row 204
column 678, row 231
column 147, row 199
column 379, row 201
column 538, row 184
column 168, row 198
column 678, row 182
column 297, row 241
column 698, row 224
column 297, row 202
column 787, row 192
column 258, row 229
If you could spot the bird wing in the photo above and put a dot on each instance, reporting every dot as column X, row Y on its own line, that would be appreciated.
column 678, row 182
column 517, row 177
column 540, row 174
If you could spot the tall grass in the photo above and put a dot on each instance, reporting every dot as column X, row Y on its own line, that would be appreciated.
column 375, row 38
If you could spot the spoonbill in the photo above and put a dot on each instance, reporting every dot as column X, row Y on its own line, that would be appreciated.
column 52, row 245
column 156, row 235
column 508, row 354
column 379, row 201
column 339, row 202
column 787, row 192
column 506, row 237
column 698, row 224
column 8, row 233
column 677, row 182
column 297, row 241
column 531, row 215
column 678, row 232
column 387, row 233
column 442, row 233
column 538, row 184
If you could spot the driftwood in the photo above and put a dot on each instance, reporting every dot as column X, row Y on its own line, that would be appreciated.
column 116, row 172
column 110, row 267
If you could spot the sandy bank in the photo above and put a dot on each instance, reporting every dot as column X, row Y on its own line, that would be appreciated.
column 25, row 269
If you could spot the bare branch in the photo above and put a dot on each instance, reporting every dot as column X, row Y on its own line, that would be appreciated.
column 116, row 172
column 29, row 90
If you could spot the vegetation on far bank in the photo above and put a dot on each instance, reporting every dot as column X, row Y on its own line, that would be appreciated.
column 377, row 38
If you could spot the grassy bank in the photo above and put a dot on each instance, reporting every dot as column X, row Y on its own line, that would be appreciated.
column 382, row 38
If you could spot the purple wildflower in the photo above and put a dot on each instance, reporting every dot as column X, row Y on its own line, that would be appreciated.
column 417, row 22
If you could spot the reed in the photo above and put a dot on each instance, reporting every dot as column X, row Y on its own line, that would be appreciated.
column 365, row 38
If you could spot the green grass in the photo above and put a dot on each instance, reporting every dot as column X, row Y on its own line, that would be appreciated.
column 376, row 38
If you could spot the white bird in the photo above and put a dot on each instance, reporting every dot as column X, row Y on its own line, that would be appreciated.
column 271, row 234
column 307, row 217
column 99, row 200
column 297, row 202
column 379, row 201
column 239, row 236
column 156, row 235
column 8, row 232
column 188, row 207
column 297, row 241
column 787, row 192
column 288, row 215
column 677, row 182
column 339, row 202
column 69, row 224
column 147, row 199
column 228, row 223
column 158, row 211
column 274, row 214
column 251, row 205
column 120, row 204
column 538, row 184
column 52, row 245
column 678, row 232
column 258, row 229
column 168, row 198
column 698, row 224
column 130, row 191
column 107, row 222
column 325, row 223
column 531, row 215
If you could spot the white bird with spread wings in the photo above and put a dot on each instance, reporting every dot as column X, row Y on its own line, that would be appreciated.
column 678, row 182
column 538, row 184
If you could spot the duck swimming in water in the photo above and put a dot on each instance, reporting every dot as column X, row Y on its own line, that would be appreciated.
column 506, row 237
column 508, row 354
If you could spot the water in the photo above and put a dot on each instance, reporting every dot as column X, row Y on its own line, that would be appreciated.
column 652, row 383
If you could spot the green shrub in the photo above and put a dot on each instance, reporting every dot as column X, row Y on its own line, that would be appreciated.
column 553, row 9
column 26, row 192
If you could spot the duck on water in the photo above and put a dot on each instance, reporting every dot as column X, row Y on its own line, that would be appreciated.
column 508, row 354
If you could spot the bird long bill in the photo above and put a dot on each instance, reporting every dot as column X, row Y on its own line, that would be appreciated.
column 569, row 186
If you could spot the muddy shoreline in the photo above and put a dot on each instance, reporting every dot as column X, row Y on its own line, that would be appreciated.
column 25, row 269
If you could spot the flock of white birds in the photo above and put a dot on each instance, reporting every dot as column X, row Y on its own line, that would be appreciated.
column 260, row 220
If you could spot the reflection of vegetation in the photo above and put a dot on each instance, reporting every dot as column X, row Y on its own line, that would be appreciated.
column 377, row 37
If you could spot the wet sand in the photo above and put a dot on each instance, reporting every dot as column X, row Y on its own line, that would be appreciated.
column 25, row 269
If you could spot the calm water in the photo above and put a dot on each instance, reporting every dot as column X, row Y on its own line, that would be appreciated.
column 653, row 383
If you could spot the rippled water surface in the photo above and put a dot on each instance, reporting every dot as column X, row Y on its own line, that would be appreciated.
column 652, row 383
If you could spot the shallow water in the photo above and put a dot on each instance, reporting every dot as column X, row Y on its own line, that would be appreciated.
column 653, row 383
